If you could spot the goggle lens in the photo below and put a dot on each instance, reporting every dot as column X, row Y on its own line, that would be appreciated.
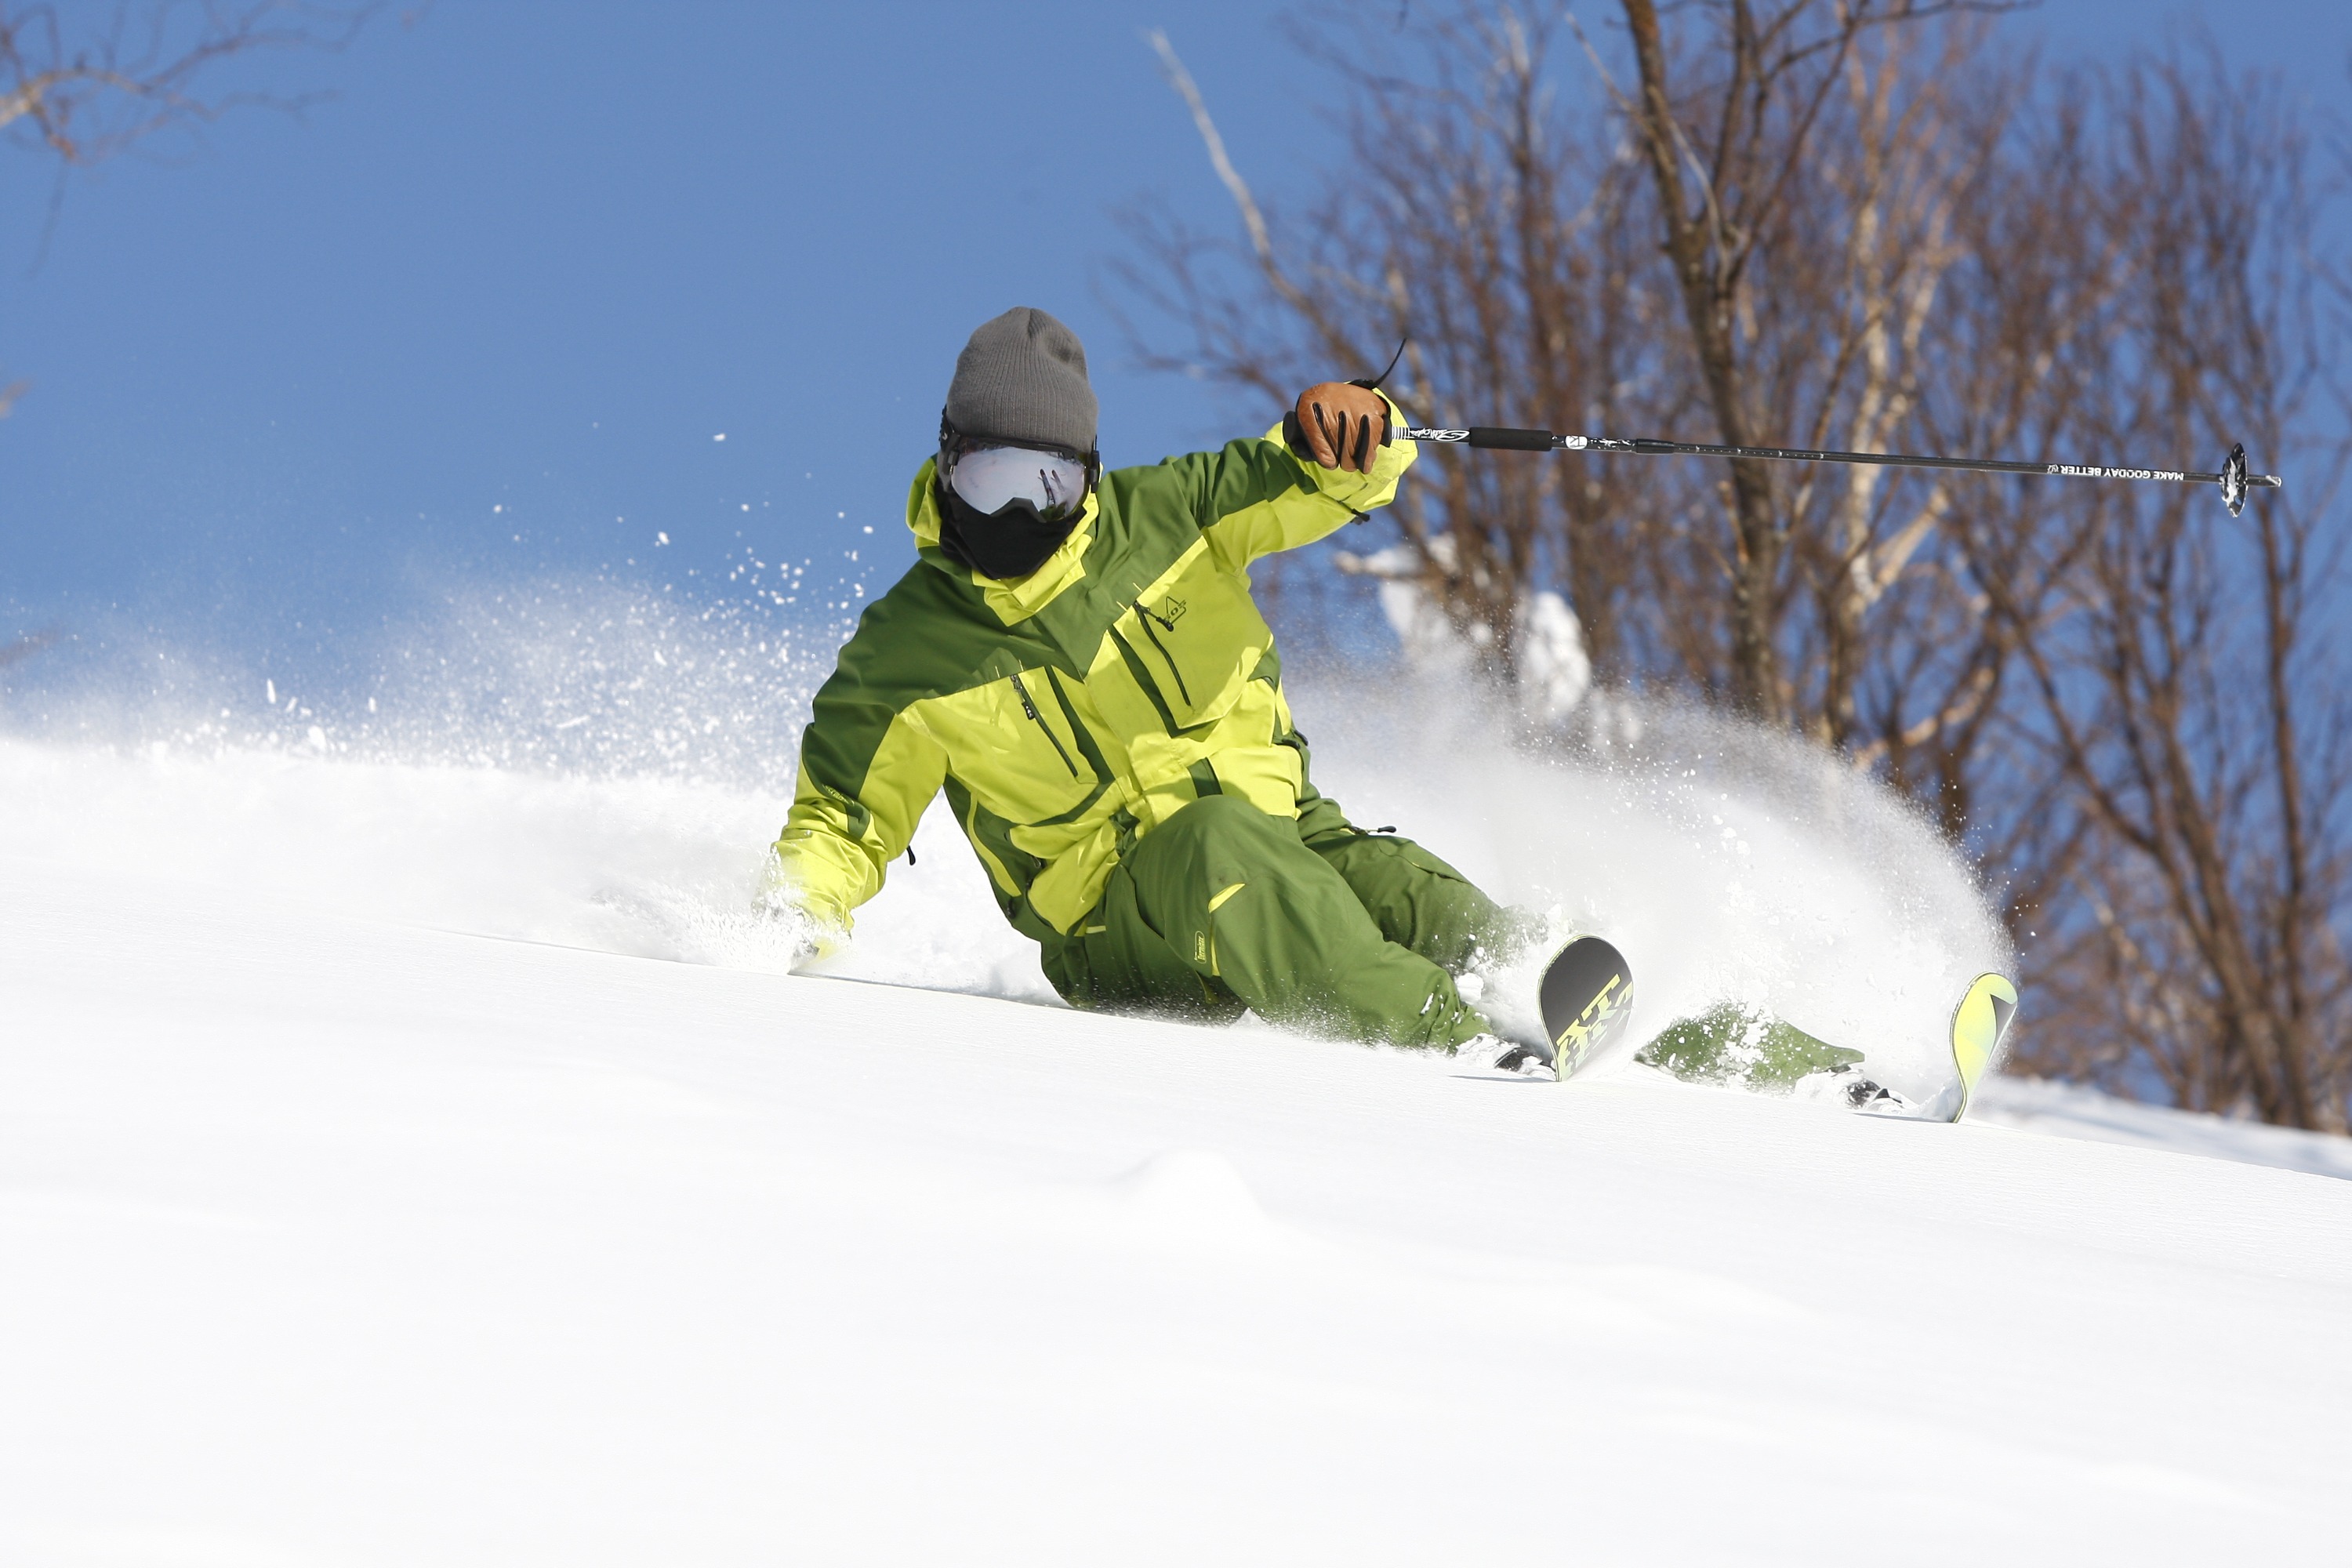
column 989, row 479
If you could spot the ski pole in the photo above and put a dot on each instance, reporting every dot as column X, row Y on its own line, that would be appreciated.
column 2233, row 479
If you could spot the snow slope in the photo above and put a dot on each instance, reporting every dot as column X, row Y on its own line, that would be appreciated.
column 376, row 1187
column 2071, row 1111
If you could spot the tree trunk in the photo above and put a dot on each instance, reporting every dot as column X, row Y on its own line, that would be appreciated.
column 1696, row 244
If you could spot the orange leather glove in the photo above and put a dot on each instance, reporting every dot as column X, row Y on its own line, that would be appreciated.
column 1342, row 426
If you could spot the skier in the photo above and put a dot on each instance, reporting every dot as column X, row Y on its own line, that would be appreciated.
column 1077, row 660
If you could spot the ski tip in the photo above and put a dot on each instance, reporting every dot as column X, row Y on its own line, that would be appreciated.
column 1586, row 997
column 1980, row 1023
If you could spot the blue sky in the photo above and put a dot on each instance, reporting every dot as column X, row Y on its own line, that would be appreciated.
column 482, row 316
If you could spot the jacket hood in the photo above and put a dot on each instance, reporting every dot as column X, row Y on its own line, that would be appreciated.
column 1015, row 599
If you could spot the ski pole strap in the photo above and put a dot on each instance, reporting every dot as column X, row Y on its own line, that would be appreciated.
column 2233, row 478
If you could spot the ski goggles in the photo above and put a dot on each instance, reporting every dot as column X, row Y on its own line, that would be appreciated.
column 992, row 475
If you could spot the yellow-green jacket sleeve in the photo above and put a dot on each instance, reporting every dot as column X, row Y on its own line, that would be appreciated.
column 1254, row 498
column 866, row 774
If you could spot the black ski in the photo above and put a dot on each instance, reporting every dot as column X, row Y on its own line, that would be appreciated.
column 1587, row 1000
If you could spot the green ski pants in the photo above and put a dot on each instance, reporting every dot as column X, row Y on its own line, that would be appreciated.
column 1313, row 924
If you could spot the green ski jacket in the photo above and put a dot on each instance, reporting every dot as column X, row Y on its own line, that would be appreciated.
column 1068, row 713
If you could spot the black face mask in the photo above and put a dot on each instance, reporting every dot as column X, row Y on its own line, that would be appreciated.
column 1011, row 543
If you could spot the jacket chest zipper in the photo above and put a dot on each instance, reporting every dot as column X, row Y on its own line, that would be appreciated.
column 1039, row 719
column 1147, row 617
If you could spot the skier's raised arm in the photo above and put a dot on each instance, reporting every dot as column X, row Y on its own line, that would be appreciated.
column 1255, row 496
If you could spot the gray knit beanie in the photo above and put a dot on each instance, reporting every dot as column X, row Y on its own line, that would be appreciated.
column 1022, row 377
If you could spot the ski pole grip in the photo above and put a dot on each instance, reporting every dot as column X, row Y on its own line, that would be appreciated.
column 1511, row 440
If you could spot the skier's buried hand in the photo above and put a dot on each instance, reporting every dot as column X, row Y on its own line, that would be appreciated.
column 807, row 938
column 1342, row 425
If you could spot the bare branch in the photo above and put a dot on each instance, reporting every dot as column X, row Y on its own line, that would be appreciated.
column 1261, row 241
column 87, row 100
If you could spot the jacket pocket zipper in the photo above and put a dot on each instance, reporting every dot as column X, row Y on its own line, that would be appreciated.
column 1031, row 708
column 1147, row 617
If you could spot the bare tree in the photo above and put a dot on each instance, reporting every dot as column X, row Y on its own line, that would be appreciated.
column 1510, row 232
column 80, row 99
column 1494, row 242
column 90, row 99
column 1810, row 161
column 2187, row 691
column 1830, row 223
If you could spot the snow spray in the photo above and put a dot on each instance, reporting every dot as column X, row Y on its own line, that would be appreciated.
column 603, row 768
column 1727, row 862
